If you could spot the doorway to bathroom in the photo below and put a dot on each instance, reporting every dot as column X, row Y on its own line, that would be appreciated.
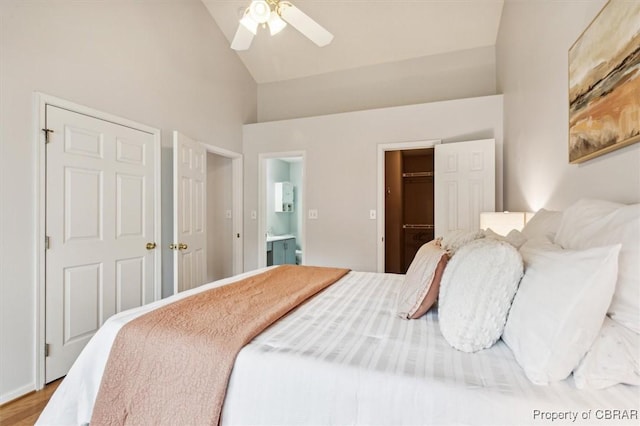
column 281, row 227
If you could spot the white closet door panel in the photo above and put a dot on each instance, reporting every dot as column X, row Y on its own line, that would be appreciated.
column 82, row 301
column 464, row 184
column 83, row 204
column 130, row 278
column 99, row 217
column 130, row 151
column 130, row 206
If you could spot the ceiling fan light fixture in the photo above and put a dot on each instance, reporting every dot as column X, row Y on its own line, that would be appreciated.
column 277, row 14
column 276, row 24
column 243, row 38
column 260, row 11
column 303, row 23
column 249, row 23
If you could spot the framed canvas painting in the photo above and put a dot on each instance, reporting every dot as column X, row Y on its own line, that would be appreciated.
column 604, row 83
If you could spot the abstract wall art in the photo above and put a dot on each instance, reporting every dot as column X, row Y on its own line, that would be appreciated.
column 604, row 83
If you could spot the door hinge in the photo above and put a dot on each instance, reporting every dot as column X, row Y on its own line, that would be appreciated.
column 47, row 242
column 46, row 349
column 46, row 134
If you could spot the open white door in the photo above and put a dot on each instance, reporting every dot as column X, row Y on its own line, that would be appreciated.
column 464, row 184
column 189, row 213
column 101, row 227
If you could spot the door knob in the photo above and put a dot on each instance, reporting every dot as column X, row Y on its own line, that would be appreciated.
column 151, row 246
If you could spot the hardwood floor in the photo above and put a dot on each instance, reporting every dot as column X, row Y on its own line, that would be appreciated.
column 25, row 410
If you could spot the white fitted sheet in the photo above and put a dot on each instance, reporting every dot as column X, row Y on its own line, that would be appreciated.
column 345, row 357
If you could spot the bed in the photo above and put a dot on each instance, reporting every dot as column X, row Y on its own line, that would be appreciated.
column 346, row 357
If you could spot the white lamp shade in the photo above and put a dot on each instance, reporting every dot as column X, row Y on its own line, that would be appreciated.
column 276, row 24
column 259, row 11
column 502, row 222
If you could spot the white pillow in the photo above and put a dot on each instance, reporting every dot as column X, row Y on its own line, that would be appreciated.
column 613, row 358
column 594, row 223
column 419, row 290
column 544, row 223
column 559, row 308
column 476, row 291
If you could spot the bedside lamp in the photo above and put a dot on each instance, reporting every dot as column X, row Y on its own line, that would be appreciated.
column 503, row 222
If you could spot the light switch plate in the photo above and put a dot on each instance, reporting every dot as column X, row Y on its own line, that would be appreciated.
column 372, row 214
column 313, row 214
column 254, row 214
column 227, row 214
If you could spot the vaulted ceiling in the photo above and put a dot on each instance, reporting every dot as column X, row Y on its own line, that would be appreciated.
column 366, row 33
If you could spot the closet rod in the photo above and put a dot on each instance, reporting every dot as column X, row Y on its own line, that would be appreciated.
column 417, row 174
column 417, row 226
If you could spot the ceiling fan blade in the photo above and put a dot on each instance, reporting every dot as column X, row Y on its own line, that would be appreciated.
column 243, row 38
column 301, row 22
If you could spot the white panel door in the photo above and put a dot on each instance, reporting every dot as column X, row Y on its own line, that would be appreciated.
column 99, row 219
column 190, row 211
column 464, row 184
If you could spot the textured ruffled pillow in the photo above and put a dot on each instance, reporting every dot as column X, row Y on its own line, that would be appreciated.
column 514, row 237
column 421, row 285
column 476, row 292
column 453, row 240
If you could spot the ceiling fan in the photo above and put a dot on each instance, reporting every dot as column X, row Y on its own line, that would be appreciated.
column 276, row 14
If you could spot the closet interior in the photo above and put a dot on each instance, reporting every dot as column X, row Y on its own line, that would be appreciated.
column 409, row 205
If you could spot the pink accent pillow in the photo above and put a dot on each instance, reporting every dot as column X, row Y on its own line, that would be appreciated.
column 421, row 285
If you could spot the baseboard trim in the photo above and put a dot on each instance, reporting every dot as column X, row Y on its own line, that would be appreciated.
column 16, row 393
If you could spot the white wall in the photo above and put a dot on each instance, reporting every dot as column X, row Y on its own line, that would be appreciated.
column 219, row 226
column 532, row 70
column 341, row 168
column 162, row 63
column 456, row 75
column 295, row 175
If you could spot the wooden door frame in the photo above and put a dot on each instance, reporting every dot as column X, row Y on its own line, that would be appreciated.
column 262, row 202
column 40, row 102
column 382, row 148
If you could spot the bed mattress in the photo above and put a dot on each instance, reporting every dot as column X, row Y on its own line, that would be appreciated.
column 345, row 357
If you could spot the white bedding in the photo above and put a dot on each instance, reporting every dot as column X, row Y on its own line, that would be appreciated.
column 345, row 357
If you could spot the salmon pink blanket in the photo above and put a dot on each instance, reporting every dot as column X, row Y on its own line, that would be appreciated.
column 172, row 365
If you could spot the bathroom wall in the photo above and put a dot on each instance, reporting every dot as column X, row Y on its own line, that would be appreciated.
column 277, row 223
column 285, row 223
